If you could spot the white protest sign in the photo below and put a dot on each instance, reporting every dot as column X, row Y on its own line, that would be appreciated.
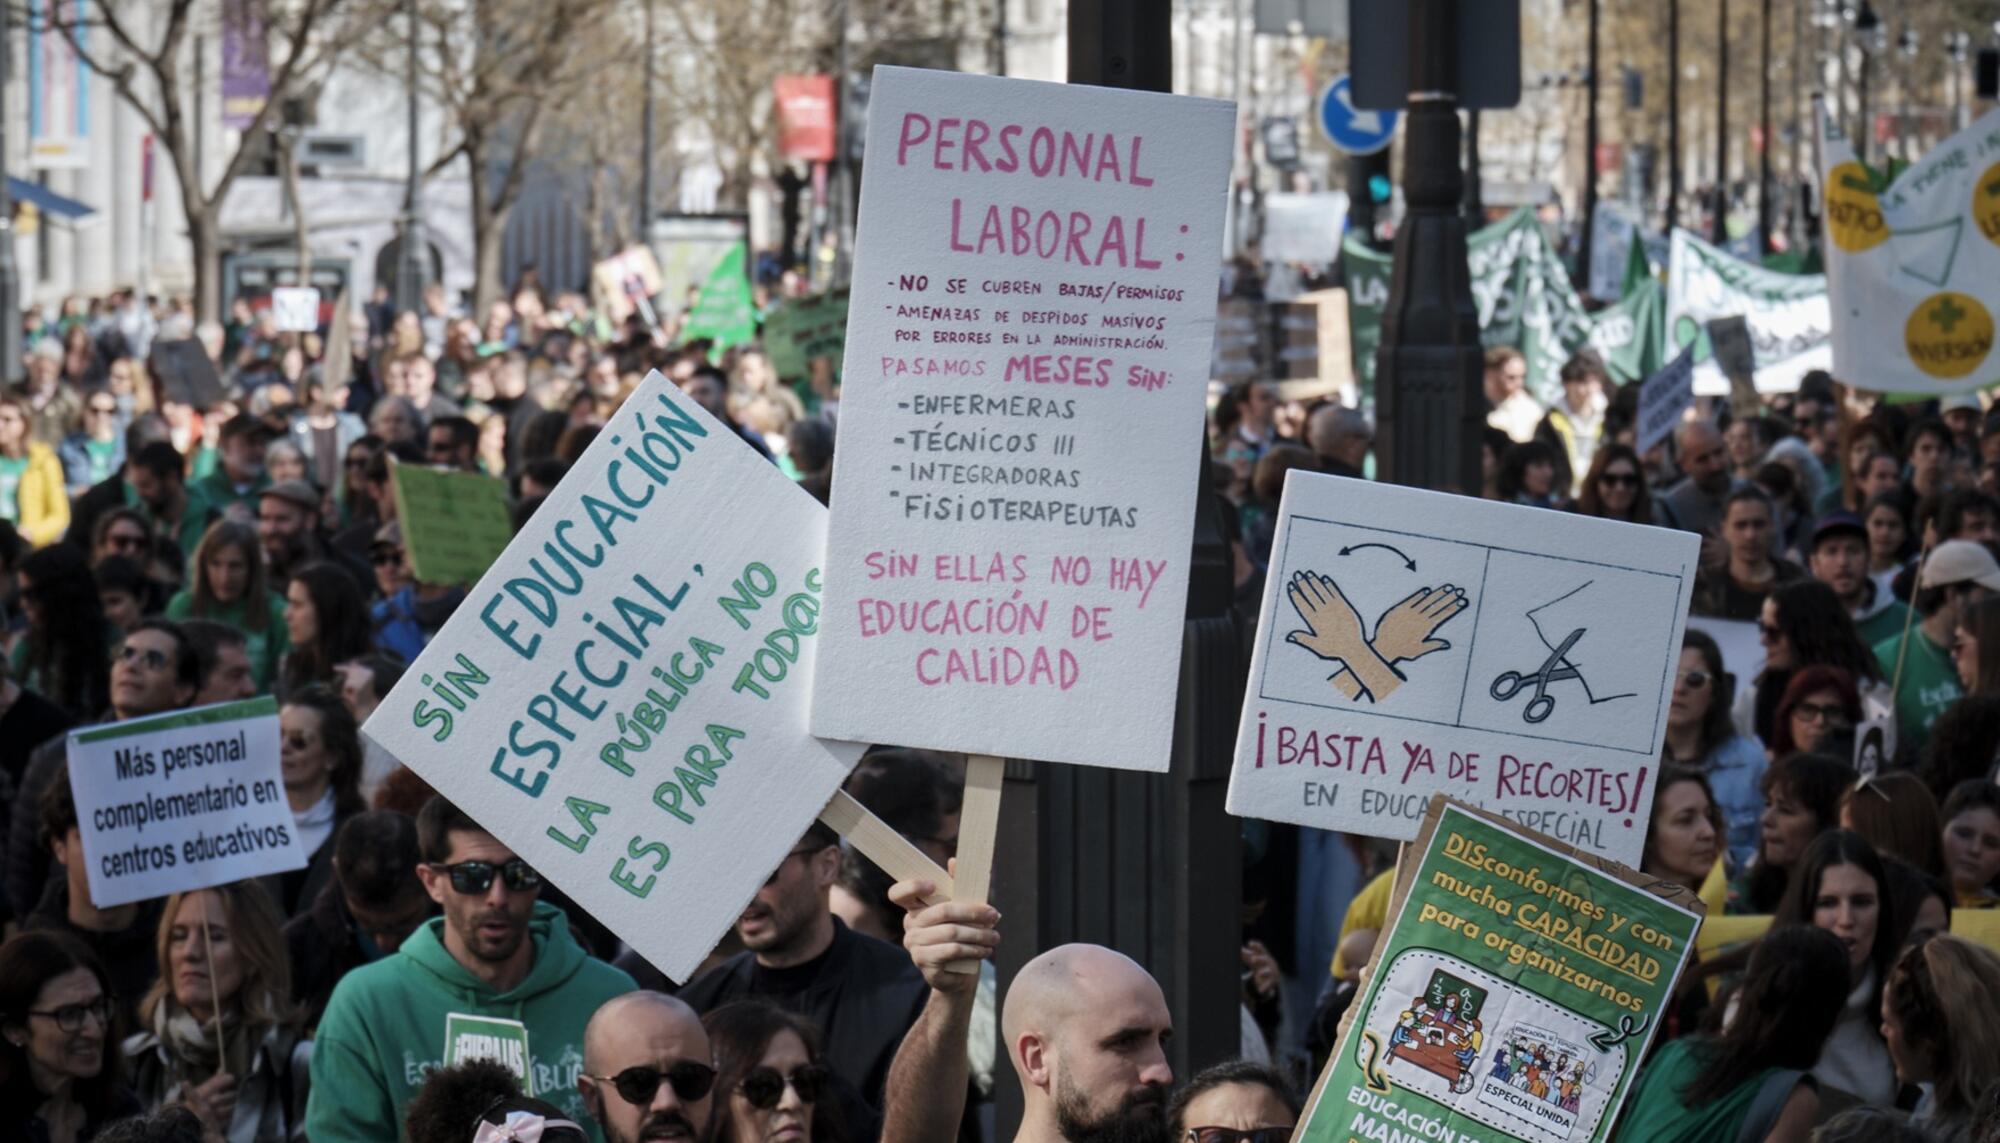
column 1790, row 322
column 1021, row 419
column 1303, row 227
column 1664, row 399
column 1913, row 263
column 295, row 308
column 622, row 698
column 1612, row 229
column 182, row 801
column 1413, row 643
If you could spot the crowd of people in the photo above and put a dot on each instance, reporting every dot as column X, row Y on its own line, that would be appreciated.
column 178, row 530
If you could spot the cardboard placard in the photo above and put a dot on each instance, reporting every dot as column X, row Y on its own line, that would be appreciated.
column 1729, row 345
column 184, row 374
column 622, row 697
column 1415, row 642
column 182, row 801
column 295, row 309
column 1021, row 420
column 455, row 524
column 805, row 328
column 1664, row 399
column 627, row 282
column 1512, row 996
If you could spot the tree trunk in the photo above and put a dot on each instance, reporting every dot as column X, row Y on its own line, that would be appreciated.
column 205, row 243
column 488, row 226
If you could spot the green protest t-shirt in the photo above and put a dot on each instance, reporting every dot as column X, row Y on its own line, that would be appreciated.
column 11, row 470
column 1929, row 684
column 103, row 456
column 1886, row 624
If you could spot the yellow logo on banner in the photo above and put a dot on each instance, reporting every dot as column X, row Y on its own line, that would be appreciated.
column 1986, row 204
column 1853, row 216
column 1949, row 335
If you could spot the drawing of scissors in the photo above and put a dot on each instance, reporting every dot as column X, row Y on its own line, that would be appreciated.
column 1554, row 669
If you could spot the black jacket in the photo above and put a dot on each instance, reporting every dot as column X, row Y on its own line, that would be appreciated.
column 863, row 994
column 322, row 948
column 127, row 954
column 28, row 860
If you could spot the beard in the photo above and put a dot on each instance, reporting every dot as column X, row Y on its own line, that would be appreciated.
column 658, row 1125
column 1141, row 1117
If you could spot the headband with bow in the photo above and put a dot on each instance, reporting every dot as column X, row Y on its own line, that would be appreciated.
column 519, row 1127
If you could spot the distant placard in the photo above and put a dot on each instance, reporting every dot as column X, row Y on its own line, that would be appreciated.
column 455, row 524
column 805, row 328
column 1664, row 398
column 295, row 309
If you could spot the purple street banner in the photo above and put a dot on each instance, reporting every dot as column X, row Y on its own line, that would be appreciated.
column 246, row 63
column 58, row 86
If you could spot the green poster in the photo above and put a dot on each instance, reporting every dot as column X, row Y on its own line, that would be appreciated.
column 455, row 524
column 805, row 328
column 1631, row 335
column 1512, row 997
column 1524, row 298
column 722, row 311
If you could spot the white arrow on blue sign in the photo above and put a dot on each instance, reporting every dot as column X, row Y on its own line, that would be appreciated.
column 1349, row 128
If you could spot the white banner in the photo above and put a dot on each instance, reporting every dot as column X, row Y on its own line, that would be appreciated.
column 1787, row 313
column 622, row 698
column 1414, row 643
column 1914, row 263
column 1028, row 346
column 182, row 801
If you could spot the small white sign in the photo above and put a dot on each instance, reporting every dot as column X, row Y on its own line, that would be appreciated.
column 1414, row 643
column 182, row 801
column 295, row 308
column 622, row 698
column 1028, row 345
column 1664, row 399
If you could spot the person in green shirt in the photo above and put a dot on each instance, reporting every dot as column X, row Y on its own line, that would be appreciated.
column 231, row 490
column 229, row 587
column 1839, row 559
column 1752, row 1081
column 1956, row 575
column 155, row 483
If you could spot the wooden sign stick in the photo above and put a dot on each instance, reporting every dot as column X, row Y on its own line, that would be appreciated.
column 891, row 852
column 978, row 827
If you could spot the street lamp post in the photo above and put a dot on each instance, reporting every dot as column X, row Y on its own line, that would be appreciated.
column 1868, row 37
column 1719, row 226
column 646, row 129
column 10, row 274
column 413, row 262
column 1764, row 128
column 1673, row 112
column 1583, row 252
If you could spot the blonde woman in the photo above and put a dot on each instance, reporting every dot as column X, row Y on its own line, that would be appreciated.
column 1941, row 1020
column 229, row 587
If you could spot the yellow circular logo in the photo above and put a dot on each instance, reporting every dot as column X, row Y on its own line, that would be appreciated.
column 1853, row 217
column 1949, row 335
column 1986, row 204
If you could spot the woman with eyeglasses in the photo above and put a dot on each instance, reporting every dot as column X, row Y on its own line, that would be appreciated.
column 1801, row 798
column 326, row 622
column 1817, row 714
column 771, row 1085
column 1800, row 625
column 60, row 1075
column 33, row 495
column 1941, row 1020
column 1702, row 737
column 221, row 1034
column 92, row 454
column 1615, row 487
column 1236, row 1102
column 65, row 655
column 123, row 532
column 229, row 587
column 319, row 754
column 1842, row 887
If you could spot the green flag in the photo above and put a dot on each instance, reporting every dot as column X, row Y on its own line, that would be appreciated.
column 1638, row 269
column 722, row 311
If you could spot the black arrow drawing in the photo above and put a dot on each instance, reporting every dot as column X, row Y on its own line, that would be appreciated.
column 1408, row 563
column 1627, row 1028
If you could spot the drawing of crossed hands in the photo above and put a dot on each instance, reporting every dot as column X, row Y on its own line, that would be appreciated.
column 1334, row 631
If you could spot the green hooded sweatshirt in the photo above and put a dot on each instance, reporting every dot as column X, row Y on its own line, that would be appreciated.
column 384, row 1027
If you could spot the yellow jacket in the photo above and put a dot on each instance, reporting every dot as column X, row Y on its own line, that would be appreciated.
column 42, row 500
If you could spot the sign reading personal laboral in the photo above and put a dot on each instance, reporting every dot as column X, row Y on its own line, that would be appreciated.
column 1414, row 642
column 622, row 697
column 182, row 801
column 1512, row 997
column 1913, row 262
column 1021, row 417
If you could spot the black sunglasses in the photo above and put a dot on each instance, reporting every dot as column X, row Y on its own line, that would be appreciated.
column 1619, row 479
column 637, row 1085
column 477, row 876
column 1232, row 1135
column 764, row 1087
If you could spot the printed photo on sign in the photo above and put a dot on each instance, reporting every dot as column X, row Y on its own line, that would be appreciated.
column 621, row 699
column 1511, row 997
column 1413, row 642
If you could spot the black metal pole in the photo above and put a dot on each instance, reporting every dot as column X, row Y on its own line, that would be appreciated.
column 10, row 273
column 1673, row 113
column 1427, row 369
column 645, row 219
column 1862, row 129
column 413, row 262
column 1764, row 129
column 1475, row 201
column 1719, row 226
column 1589, row 150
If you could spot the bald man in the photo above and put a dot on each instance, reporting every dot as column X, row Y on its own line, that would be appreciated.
column 647, row 1070
column 1085, row 1027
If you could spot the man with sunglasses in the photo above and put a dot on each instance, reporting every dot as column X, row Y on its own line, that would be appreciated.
column 95, row 453
column 648, row 1070
column 1839, row 559
column 153, row 671
column 498, row 952
column 861, row 993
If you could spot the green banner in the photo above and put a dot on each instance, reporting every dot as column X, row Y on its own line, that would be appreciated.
column 805, row 328
column 1512, row 997
column 455, row 524
column 723, row 312
column 1525, row 299
column 261, row 706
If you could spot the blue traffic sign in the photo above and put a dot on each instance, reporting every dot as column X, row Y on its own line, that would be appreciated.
column 1351, row 129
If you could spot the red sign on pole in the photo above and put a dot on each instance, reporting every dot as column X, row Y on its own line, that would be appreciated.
column 805, row 117
column 146, row 167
